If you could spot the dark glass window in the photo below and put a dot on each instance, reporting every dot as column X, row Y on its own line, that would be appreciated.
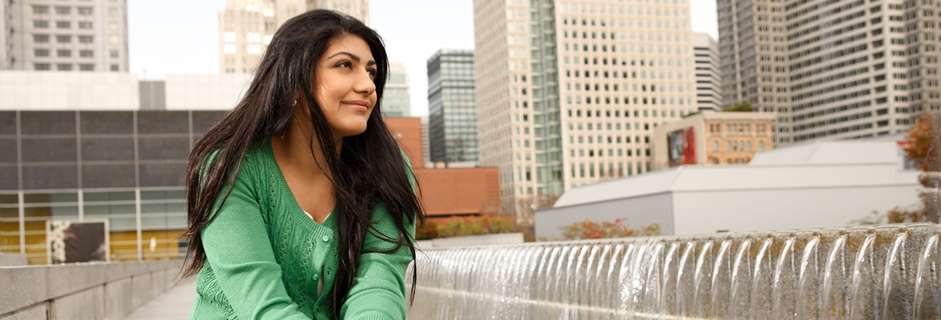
column 7, row 122
column 103, row 149
column 162, row 174
column 48, row 149
column 108, row 176
column 8, row 150
column 203, row 120
column 163, row 148
column 8, row 178
column 50, row 177
column 162, row 122
column 48, row 122
column 101, row 122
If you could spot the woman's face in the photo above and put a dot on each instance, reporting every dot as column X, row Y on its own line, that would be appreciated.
column 344, row 86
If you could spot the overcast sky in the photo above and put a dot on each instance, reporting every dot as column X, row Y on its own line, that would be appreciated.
column 167, row 40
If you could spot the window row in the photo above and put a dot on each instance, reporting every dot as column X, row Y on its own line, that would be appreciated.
column 62, row 24
column 63, row 38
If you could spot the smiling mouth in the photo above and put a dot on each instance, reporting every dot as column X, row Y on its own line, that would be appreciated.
column 356, row 105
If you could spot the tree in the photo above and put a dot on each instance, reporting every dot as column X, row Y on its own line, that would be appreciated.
column 743, row 106
column 922, row 145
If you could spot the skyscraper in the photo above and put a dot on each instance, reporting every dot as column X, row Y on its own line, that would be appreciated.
column 569, row 91
column 452, row 110
column 395, row 98
column 831, row 69
column 246, row 26
column 708, row 81
column 64, row 36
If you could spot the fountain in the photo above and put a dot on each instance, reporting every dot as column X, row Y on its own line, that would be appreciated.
column 888, row 272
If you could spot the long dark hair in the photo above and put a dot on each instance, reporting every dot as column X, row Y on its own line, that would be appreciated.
column 369, row 169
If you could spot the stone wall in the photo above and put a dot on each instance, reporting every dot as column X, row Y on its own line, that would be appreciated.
column 83, row 291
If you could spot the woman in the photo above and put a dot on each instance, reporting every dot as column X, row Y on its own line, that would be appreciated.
column 300, row 202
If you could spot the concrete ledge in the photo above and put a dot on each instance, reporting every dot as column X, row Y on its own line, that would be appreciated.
column 87, row 291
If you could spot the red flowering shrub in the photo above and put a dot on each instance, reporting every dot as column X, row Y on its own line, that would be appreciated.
column 477, row 225
column 427, row 231
column 606, row 229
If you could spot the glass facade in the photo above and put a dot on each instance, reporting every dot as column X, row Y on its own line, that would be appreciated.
column 452, row 116
column 123, row 167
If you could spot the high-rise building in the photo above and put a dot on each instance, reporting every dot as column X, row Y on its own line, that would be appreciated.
column 570, row 91
column 831, row 69
column 395, row 98
column 246, row 26
column 708, row 81
column 452, row 110
column 64, row 35
column 358, row 9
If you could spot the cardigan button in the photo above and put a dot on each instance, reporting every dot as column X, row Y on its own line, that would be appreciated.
column 326, row 238
column 316, row 276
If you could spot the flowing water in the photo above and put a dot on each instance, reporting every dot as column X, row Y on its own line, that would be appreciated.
column 886, row 272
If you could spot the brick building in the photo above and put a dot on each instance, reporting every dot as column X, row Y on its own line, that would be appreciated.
column 452, row 191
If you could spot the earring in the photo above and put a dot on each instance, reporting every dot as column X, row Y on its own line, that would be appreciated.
column 294, row 103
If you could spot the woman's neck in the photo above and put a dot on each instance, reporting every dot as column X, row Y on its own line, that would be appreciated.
column 299, row 149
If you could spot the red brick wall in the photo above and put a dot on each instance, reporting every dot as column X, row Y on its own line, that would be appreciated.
column 446, row 192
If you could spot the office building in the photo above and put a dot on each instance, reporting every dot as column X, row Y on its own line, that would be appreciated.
column 570, row 91
column 452, row 109
column 67, row 36
column 831, row 69
column 395, row 98
column 708, row 80
column 246, row 26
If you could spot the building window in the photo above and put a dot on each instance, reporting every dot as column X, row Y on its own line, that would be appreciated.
column 114, row 53
column 63, row 10
column 115, row 67
column 63, row 53
column 41, row 66
column 41, row 52
column 63, row 38
column 85, row 11
column 228, row 37
column 715, row 146
column 63, row 24
column 40, row 24
column 40, row 38
column 41, row 10
column 228, row 49
column 86, row 39
column 761, row 146
column 86, row 67
column 64, row 66
column 86, row 53
column 84, row 24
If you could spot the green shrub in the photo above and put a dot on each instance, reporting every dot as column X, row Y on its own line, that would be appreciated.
column 477, row 225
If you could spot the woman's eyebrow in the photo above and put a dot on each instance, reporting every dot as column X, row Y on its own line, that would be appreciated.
column 352, row 56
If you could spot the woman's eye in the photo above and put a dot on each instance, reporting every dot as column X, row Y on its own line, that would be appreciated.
column 372, row 72
column 344, row 64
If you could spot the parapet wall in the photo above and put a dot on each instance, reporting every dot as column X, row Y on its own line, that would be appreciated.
column 83, row 291
column 886, row 272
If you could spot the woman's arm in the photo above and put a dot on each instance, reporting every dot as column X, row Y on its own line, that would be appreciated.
column 378, row 290
column 239, row 252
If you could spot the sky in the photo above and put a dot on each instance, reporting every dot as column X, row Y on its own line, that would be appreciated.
column 166, row 40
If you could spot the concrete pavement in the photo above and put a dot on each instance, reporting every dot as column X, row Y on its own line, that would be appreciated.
column 174, row 304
